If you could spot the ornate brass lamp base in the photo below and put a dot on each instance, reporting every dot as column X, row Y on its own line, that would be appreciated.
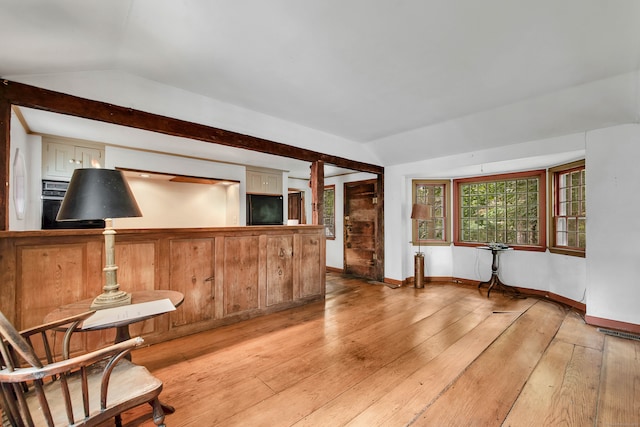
column 111, row 299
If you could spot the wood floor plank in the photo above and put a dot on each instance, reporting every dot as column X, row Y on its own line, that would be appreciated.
column 562, row 391
column 619, row 400
column 485, row 392
column 394, row 332
column 352, row 360
column 353, row 401
column 408, row 398
column 372, row 355
column 575, row 331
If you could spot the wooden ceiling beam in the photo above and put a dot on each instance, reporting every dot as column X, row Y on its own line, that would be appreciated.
column 43, row 99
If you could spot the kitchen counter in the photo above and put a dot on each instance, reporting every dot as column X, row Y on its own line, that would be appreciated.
column 226, row 274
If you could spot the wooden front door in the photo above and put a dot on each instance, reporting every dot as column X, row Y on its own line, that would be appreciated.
column 362, row 234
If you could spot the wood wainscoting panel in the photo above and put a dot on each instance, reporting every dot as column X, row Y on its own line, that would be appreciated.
column 311, row 265
column 191, row 272
column 279, row 269
column 241, row 274
column 225, row 274
column 51, row 276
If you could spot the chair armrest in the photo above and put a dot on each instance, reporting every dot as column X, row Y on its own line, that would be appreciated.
column 56, row 324
column 70, row 323
column 115, row 351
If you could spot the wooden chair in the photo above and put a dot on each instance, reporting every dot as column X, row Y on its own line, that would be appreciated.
column 84, row 390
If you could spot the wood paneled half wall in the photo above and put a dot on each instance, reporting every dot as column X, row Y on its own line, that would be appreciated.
column 226, row 274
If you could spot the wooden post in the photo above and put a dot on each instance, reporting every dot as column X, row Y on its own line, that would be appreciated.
column 5, row 156
column 317, row 192
column 380, row 225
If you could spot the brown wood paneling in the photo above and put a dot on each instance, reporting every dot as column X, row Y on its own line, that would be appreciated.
column 361, row 218
column 241, row 274
column 8, row 289
column 279, row 269
column 50, row 276
column 191, row 272
column 136, row 272
column 311, row 266
column 136, row 265
column 237, row 270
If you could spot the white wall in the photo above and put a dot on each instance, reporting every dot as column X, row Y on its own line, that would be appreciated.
column 533, row 270
column 613, row 223
column 233, row 206
column 167, row 204
column 606, row 279
column 30, row 147
column 160, row 200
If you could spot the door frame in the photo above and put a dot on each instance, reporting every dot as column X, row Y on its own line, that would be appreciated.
column 378, row 271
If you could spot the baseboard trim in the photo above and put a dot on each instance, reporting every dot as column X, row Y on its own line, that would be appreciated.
column 612, row 324
column 409, row 281
column 334, row 270
column 578, row 306
column 581, row 307
column 394, row 282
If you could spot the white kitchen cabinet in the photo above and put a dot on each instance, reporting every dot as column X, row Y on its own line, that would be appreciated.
column 264, row 182
column 61, row 159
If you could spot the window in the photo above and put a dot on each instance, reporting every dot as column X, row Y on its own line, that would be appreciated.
column 569, row 209
column 329, row 212
column 507, row 208
column 433, row 231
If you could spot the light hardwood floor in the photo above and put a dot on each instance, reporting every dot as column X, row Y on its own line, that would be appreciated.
column 371, row 355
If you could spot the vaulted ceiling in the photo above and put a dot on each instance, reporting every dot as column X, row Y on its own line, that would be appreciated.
column 406, row 79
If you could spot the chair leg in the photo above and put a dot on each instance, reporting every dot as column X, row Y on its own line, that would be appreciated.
column 118, row 420
column 158, row 413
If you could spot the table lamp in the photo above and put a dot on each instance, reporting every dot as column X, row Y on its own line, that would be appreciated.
column 101, row 194
column 419, row 212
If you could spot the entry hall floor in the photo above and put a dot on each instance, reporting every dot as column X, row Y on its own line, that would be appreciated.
column 370, row 355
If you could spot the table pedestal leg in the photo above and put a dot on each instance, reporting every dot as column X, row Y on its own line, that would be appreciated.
column 494, row 281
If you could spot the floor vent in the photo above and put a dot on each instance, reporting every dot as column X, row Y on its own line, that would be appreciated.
column 620, row 334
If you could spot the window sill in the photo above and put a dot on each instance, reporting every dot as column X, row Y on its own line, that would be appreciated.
column 570, row 252
column 515, row 247
column 431, row 243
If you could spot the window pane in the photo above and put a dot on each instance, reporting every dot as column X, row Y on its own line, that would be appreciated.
column 500, row 210
column 570, row 209
column 329, row 212
column 433, row 195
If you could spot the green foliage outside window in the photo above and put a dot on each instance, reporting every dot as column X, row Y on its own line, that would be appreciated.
column 505, row 211
column 434, row 195
column 329, row 212
column 569, row 218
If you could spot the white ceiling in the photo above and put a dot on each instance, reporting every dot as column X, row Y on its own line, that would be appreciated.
column 409, row 79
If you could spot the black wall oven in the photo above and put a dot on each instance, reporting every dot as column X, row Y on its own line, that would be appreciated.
column 52, row 194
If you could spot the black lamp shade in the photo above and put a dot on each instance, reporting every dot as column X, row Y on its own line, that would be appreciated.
column 98, row 194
